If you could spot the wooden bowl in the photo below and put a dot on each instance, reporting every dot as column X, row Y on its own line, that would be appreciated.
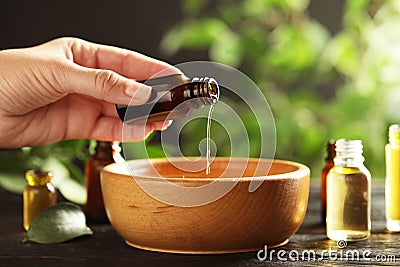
column 237, row 220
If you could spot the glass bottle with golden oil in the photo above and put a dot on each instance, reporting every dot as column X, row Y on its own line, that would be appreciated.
column 173, row 97
column 330, row 155
column 392, row 187
column 105, row 152
column 348, row 214
column 39, row 194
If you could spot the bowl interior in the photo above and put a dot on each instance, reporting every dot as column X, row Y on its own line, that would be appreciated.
column 192, row 169
column 224, row 216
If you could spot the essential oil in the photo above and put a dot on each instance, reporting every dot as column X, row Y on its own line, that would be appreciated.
column 39, row 194
column 348, row 194
column 392, row 187
column 208, row 152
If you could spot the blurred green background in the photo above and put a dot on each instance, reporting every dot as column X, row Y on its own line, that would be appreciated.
column 328, row 73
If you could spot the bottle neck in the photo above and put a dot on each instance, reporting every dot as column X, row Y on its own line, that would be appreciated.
column 37, row 177
column 394, row 134
column 203, row 91
column 105, row 150
column 330, row 151
column 349, row 153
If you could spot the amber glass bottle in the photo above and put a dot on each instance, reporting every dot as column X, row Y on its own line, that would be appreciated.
column 104, row 155
column 173, row 96
column 39, row 194
column 330, row 155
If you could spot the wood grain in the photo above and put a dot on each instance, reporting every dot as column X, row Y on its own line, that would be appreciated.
column 239, row 221
column 106, row 247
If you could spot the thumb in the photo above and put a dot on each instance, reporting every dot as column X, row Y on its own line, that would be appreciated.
column 106, row 85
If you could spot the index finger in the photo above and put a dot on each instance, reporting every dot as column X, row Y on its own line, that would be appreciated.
column 127, row 63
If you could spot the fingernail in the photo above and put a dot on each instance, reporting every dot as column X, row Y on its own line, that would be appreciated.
column 141, row 93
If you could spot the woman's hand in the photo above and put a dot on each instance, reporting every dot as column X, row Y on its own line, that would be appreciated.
column 67, row 88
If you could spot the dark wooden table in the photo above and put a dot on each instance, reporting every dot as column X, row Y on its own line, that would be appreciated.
column 106, row 248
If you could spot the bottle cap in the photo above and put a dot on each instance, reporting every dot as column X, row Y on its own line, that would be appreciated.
column 394, row 134
column 331, row 149
column 38, row 177
column 349, row 153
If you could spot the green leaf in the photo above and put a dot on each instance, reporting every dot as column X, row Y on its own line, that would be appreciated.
column 13, row 165
column 226, row 49
column 194, row 34
column 155, row 151
column 355, row 13
column 297, row 48
column 256, row 8
column 13, row 182
column 298, row 5
column 193, row 7
column 343, row 53
column 71, row 189
column 59, row 223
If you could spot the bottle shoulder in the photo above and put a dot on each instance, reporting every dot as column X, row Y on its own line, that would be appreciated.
column 102, row 158
column 392, row 147
column 328, row 165
column 48, row 187
column 345, row 170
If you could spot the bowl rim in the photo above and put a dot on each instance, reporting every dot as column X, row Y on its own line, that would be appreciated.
column 299, row 173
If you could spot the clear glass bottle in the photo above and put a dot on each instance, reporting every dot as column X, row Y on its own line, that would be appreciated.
column 348, row 194
column 173, row 97
column 39, row 194
column 105, row 152
column 392, row 187
column 330, row 155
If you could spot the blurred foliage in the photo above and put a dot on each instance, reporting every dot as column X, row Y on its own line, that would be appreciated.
column 65, row 159
column 320, row 86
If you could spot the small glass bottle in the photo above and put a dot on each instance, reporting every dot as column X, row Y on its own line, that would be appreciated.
column 330, row 150
column 105, row 152
column 392, row 187
column 173, row 97
column 39, row 194
column 348, row 194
